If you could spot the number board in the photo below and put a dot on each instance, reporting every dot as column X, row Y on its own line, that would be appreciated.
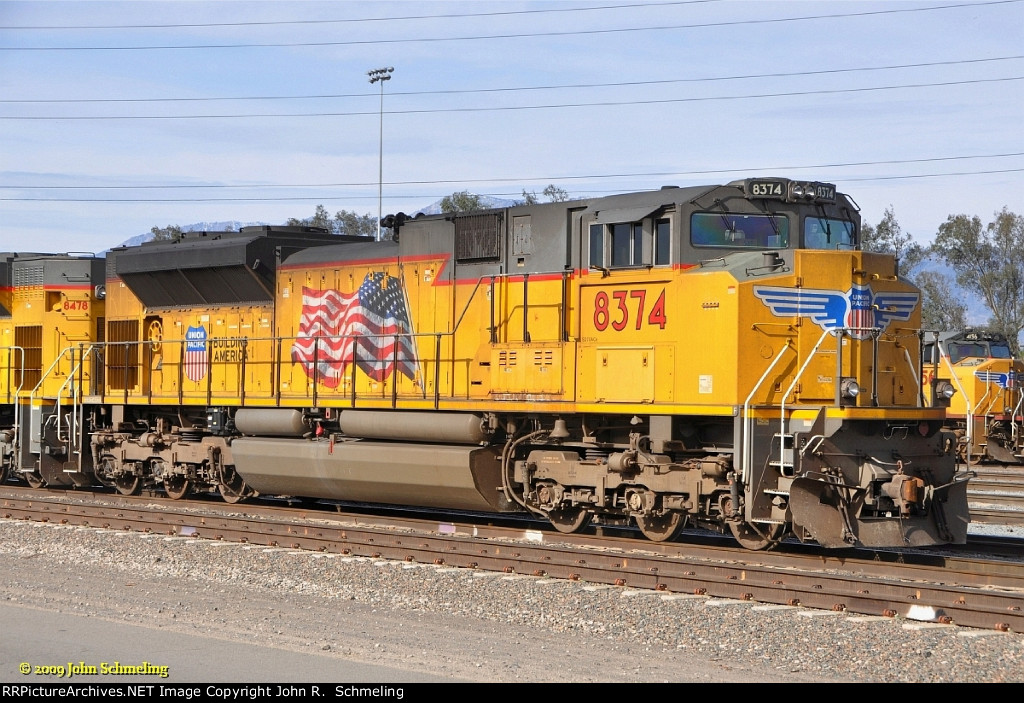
column 825, row 191
column 767, row 188
column 779, row 189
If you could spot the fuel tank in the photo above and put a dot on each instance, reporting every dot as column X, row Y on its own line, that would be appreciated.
column 447, row 428
column 430, row 475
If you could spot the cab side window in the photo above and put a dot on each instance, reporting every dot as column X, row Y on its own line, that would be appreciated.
column 662, row 242
column 630, row 244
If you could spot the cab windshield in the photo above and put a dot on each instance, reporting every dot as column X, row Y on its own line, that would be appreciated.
column 1001, row 351
column 828, row 233
column 963, row 350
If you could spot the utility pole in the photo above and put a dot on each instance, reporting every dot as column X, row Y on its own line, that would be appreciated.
column 379, row 75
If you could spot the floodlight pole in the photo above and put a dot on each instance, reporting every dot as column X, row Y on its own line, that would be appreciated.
column 379, row 75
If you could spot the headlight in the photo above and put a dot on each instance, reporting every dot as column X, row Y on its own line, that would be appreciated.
column 849, row 388
column 944, row 390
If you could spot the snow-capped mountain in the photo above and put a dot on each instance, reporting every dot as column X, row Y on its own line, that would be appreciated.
column 229, row 226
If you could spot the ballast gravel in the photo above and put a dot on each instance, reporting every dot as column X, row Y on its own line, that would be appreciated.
column 473, row 626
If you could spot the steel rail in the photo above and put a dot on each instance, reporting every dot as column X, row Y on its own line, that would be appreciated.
column 924, row 585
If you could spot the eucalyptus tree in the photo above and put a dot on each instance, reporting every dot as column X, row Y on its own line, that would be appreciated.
column 989, row 262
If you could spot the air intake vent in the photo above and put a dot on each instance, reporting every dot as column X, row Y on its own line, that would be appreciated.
column 478, row 237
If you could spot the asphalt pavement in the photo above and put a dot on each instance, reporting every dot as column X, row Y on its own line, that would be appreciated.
column 69, row 648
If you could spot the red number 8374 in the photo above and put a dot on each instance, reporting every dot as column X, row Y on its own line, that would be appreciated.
column 625, row 305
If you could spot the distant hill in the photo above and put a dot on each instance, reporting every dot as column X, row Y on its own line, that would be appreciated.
column 231, row 226
column 234, row 225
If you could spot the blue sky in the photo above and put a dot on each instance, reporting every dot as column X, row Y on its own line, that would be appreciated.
column 120, row 116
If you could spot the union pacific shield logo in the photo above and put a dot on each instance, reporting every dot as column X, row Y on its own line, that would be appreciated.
column 195, row 353
column 859, row 310
column 861, row 317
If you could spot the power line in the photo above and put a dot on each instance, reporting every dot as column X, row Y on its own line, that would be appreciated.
column 531, row 179
column 355, row 20
column 513, row 89
column 322, row 197
column 515, row 35
column 507, row 108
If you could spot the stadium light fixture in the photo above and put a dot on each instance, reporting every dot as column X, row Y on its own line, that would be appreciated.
column 380, row 75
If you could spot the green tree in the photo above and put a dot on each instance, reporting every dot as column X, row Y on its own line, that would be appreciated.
column 170, row 233
column 989, row 262
column 353, row 224
column 320, row 218
column 553, row 193
column 939, row 309
column 343, row 222
column 463, row 201
column 889, row 238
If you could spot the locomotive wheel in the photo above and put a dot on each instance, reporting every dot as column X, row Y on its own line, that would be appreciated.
column 128, row 485
column 569, row 520
column 754, row 538
column 233, row 489
column 177, row 487
column 4, row 471
column 107, row 467
column 103, row 480
column 660, row 528
column 34, row 479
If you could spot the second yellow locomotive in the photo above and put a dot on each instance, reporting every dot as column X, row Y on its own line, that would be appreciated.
column 986, row 406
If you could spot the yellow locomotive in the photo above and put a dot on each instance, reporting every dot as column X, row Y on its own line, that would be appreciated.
column 51, row 315
column 986, row 408
column 721, row 356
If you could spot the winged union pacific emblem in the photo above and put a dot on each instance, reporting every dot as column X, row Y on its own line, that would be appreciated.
column 1003, row 380
column 859, row 308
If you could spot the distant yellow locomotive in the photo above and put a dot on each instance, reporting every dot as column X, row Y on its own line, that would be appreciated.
column 986, row 407
column 720, row 356
column 51, row 316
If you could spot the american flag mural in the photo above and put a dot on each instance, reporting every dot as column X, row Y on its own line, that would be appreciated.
column 338, row 328
column 195, row 353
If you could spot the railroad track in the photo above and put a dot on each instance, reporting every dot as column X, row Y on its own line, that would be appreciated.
column 947, row 586
column 996, row 495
